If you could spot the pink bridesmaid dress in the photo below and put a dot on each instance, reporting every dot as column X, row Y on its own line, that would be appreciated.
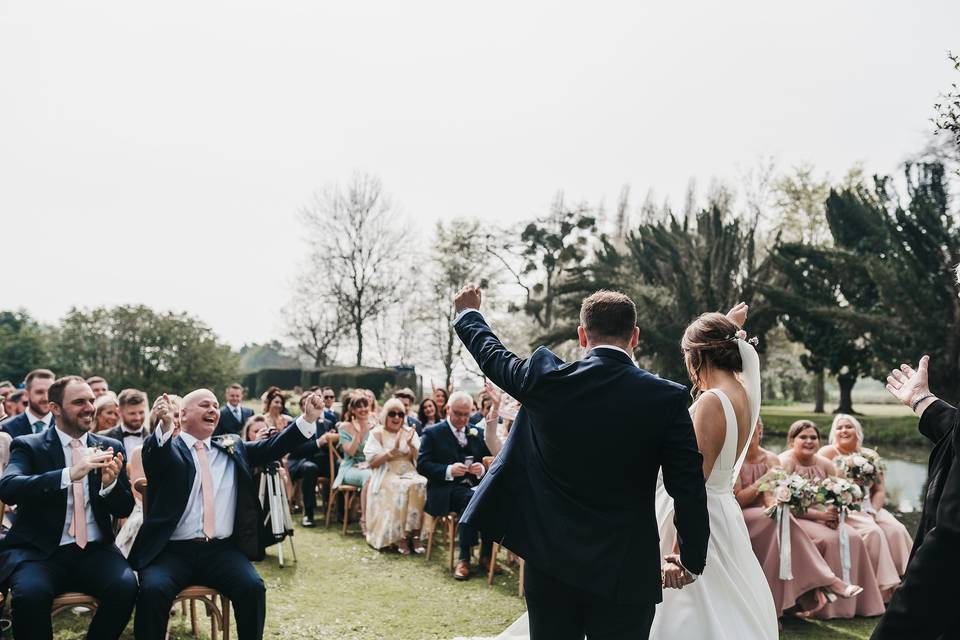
column 810, row 571
column 898, row 539
column 878, row 549
column 827, row 541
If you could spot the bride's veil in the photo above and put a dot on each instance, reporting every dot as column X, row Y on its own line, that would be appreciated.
column 750, row 377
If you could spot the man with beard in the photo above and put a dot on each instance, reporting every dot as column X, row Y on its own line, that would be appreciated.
column 203, row 523
column 37, row 417
column 133, row 413
column 66, row 483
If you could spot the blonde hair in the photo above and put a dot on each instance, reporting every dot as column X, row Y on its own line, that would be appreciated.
column 841, row 417
column 100, row 403
column 390, row 404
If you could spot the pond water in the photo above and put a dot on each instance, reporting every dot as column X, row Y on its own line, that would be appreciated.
column 905, row 477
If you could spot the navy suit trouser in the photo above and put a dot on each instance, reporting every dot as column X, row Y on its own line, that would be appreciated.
column 218, row 565
column 459, row 498
column 559, row 611
column 97, row 570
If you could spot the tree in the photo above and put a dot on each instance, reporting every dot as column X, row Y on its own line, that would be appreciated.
column 948, row 109
column 315, row 326
column 357, row 242
column 458, row 259
column 548, row 248
column 674, row 270
column 23, row 345
column 271, row 355
column 134, row 346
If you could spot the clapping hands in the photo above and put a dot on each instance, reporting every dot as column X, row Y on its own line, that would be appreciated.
column 112, row 470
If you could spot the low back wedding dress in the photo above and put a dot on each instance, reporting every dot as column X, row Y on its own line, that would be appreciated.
column 731, row 600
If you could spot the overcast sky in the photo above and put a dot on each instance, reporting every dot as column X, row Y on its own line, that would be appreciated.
column 157, row 153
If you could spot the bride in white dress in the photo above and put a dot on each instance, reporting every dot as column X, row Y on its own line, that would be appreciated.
column 731, row 600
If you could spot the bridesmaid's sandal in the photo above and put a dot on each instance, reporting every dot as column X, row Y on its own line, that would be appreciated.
column 851, row 591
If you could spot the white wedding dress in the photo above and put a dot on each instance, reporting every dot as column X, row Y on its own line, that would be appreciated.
column 731, row 600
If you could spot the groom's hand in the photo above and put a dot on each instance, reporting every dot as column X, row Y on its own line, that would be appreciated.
column 467, row 298
column 674, row 574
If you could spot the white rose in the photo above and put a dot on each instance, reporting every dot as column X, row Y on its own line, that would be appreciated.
column 859, row 460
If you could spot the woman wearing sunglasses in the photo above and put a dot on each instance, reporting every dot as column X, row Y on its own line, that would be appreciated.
column 396, row 492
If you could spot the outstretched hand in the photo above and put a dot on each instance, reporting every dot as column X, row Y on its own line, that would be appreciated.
column 467, row 298
column 907, row 384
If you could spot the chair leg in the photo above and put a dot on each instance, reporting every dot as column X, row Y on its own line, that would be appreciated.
column 494, row 550
column 194, row 627
column 430, row 540
column 331, row 498
column 347, row 501
column 452, row 533
column 522, row 566
column 225, row 607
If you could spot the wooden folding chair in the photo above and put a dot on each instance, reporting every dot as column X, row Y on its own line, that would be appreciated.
column 217, row 605
column 493, row 564
column 349, row 491
column 449, row 522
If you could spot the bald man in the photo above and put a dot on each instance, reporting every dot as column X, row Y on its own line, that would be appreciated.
column 203, row 523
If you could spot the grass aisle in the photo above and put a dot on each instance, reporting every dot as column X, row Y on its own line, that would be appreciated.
column 341, row 589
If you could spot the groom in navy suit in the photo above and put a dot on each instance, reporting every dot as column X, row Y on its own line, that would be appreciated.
column 577, row 501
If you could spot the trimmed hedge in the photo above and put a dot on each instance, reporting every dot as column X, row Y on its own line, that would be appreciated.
column 339, row 378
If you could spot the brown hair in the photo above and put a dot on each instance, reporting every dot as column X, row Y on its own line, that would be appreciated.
column 95, row 379
column 43, row 374
column 235, row 385
column 355, row 400
column 59, row 386
column 799, row 427
column 405, row 393
column 252, row 420
column 271, row 393
column 131, row 397
column 710, row 340
column 608, row 314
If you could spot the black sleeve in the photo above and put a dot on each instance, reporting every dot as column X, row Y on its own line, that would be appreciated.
column 937, row 420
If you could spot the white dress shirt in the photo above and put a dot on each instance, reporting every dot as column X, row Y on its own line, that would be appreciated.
column 222, row 472
column 34, row 420
column 130, row 442
column 93, row 531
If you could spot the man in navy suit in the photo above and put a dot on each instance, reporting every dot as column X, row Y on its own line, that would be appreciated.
column 577, row 501
column 37, row 417
column 328, row 399
column 133, row 428
column 407, row 397
column 310, row 461
column 202, row 523
column 444, row 451
column 233, row 416
column 66, row 483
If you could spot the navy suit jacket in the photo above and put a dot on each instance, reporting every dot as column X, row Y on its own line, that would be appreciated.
column 415, row 424
column 19, row 425
column 170, row 472
column 438, row 449
column 32, row 482
column 576, row 499
column 228, row 422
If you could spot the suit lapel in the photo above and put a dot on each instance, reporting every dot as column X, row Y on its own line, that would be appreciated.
column 184, row 450
column 54, row 448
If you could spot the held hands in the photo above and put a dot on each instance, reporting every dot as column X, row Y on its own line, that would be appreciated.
column 907, row 385
column 163, row 412
column 102, row 460
column 476, row 468
column 111, row 471
column 467, row 298
column 674, row 574
column 458, row 470
column 738, row 315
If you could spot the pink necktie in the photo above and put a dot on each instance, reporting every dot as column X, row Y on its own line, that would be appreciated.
column 206, row 486
column 78, row 528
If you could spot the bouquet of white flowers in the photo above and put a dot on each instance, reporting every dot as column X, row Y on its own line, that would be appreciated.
column 790, row 490
column 840, row 493
column 863, row 468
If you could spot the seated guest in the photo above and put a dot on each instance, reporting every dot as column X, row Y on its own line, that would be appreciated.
column 6, row 388
column 407, row 397
column 99, row 385
column 106, row 413
column 131, row 527
column 37, row 416
column 354, row 431
column 274, row 407
column 810, row 572
column 5, row 441
column 846, row 439
column 822, row 526
column 233, row 416
column 441, row 397
column 203, row 518
column 397, row 493
column 428, row 414
column 66, row 483
column 482, row 406
column 450, row 458
column 310, row 461
column 14, row 403
column 329, row 415
column 133, row 417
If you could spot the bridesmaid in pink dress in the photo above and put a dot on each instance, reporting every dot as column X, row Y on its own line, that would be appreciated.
column 803, row 441
column 846, row 438
column 810, row 571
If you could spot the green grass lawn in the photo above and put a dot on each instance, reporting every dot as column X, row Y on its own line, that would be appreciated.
column 342, row 589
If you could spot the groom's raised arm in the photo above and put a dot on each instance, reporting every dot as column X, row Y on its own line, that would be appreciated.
column 504, row 368
column 682, row 466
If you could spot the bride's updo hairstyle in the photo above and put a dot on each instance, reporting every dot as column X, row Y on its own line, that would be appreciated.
column 710, row 340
